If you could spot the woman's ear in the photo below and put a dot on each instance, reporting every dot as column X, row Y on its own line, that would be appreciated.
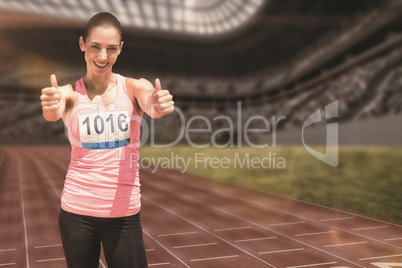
column 121, row 46
column 81, row 43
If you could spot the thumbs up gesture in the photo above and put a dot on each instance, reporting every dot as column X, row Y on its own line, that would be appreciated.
column 51, row 101
column 161, row 101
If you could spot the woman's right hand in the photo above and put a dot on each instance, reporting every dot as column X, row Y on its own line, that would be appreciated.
column 51, row 100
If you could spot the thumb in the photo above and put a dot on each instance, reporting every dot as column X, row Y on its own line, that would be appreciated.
column 158, row 86
column 53, row 81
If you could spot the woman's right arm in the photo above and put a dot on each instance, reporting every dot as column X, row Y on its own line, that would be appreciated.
column 54, row 100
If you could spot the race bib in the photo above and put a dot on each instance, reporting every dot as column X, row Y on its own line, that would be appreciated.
column 104, row 130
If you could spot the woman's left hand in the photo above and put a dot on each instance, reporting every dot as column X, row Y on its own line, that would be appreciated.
column 161, row 101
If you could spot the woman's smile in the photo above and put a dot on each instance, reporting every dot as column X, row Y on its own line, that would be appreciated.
column 101, row 65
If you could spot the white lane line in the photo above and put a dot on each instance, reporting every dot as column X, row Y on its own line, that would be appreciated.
column 230, row 229
column 47, row 260
column 216, row 258
column 196, row 245
column 392, row 239
column 280, row 251
column 159, row 264
column 47, row 177
column 346, row 244
column 102, row 264
column 171, row 253
column 369, row 228
column 49, row 246
column 286, row 223
column 379, row 257
column 255, row 239
column 7, row 264
column 177, row 234
column 8, row 249
column 386, row 264
column 310, row 265
column 338, row 219
column 318, row 233
column 2, row 160
column 151, row 249
column 23, row 214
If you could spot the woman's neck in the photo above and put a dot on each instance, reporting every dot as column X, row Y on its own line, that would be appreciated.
column 98, row 84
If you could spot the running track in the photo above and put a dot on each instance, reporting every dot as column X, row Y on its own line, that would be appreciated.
column 190, row 221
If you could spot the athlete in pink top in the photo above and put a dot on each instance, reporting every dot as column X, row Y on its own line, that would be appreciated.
column 102, row 111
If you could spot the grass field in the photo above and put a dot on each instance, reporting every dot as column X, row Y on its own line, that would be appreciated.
column 367, row 181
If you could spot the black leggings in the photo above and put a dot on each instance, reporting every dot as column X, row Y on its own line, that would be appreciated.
column 121, row 239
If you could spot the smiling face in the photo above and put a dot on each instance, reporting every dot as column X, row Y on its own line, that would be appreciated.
column 101, row 47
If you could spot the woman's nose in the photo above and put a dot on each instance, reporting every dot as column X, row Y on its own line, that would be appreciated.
column 103, row 54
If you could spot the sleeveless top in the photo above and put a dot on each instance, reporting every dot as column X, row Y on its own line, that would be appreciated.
column 102, row 178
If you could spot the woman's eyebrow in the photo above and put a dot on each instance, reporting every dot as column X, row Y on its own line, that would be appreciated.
column 111, row 45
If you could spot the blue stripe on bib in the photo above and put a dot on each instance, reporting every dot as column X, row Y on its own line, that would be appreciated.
column 105, row 145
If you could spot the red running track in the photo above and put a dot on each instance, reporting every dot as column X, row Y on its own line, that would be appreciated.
column 189, row 221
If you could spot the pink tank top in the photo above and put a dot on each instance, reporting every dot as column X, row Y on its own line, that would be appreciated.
column 102, row 178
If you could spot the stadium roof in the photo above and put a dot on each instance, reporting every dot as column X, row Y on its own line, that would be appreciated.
column 277, row 36
column 201, row 17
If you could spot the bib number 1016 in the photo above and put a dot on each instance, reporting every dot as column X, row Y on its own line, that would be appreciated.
column 104, row 127
column 97, row 124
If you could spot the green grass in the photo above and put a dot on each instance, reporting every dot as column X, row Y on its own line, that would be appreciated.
column 367, row 181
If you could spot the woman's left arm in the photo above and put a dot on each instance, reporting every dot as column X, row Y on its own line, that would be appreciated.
column 154, row 101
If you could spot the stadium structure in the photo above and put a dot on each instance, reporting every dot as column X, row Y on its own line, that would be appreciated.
column 276, row 58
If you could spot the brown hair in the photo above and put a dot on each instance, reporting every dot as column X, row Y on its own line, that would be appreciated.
column 104, row 19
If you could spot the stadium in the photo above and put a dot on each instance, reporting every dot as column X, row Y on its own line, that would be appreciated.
column 283, row 149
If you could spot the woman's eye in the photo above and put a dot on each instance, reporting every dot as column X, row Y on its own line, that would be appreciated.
column 95, row 47
column 112, row 49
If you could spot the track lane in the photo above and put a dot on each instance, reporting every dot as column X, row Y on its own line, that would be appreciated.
column 13, row 251
column 230, row 229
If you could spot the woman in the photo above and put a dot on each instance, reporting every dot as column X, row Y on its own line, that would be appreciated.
column 102, row 111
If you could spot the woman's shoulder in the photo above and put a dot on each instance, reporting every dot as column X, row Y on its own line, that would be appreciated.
column 134, row 86
column 138, row 84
